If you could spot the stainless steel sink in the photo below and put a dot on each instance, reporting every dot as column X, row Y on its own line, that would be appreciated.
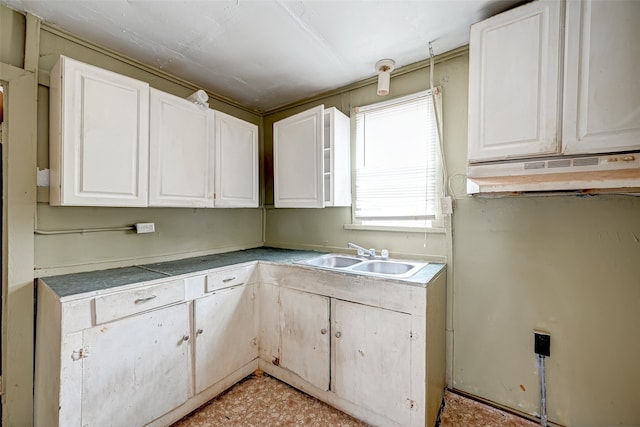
column 376, row 267
column 331, row 260
column 384, row 267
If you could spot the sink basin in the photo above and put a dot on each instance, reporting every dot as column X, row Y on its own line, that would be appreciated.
column 335, row 261
column 384, row 267
column 376, row 267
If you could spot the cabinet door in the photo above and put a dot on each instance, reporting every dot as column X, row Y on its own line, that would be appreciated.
column 137, row 369
column 99, row 137
column 181, row 153
column 226, row 334
column 304, row 325
column 602, row 90
column 236, row 183
column 298, row 160
column 370, row 344
column 269, row 321
column 513, row 83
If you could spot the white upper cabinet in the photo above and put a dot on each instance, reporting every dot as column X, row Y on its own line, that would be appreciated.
column 513, row 83
column 236, row 164
column 181, row 158
column 311, row 159
column 116, row 142
column 602, row 89
column 99, row 137
column 520, row 106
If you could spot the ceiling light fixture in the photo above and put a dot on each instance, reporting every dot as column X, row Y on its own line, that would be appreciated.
column 384, row 67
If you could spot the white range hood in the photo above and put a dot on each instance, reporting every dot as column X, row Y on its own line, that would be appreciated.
column 584, row 174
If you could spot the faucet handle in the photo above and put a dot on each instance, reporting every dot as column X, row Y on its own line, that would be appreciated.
column 360, row 252
column 372, row 251
column 384, row 253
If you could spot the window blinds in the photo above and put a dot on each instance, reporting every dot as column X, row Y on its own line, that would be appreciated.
column 396, row 160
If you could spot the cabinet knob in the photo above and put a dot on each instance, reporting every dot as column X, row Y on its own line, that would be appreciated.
column 323, row 331
column 185, row 338
column 338, row 334
column 199, row 331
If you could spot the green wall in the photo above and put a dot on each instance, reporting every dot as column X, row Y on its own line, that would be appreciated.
column 568, row 265
column 12, row 29
column 179, row 232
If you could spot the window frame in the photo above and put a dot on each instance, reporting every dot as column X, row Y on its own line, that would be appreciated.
column 437, row 225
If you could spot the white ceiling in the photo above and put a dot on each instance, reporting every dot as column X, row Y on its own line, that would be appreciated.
column 265, row 54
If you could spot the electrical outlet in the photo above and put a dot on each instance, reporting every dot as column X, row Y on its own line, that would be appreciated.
column 446, row 203
column 145, row 227
column 542, row 343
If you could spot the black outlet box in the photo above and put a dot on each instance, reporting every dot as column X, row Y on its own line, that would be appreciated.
column 542, row 343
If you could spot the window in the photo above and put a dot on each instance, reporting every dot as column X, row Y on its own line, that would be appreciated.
column 397, row 173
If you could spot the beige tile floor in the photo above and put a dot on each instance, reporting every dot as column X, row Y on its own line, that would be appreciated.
column 263, row 401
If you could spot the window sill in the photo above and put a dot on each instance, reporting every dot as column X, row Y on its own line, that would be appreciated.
column 435, row 230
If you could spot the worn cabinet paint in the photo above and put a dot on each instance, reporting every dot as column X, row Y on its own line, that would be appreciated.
column 149, row 353
column 226, row 334
column 386, row 362
column 126, row 362
column 304, row 326
column 370, row 344
column 269, row 320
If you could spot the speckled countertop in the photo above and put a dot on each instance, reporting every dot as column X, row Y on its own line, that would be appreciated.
column 78, row 283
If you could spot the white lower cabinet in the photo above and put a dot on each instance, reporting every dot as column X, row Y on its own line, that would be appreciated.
column 130, row 360
column 357, row 343
column 102, row 375
column 371, row 364
column 226, row 334
column 304, row 321
column 150, row 353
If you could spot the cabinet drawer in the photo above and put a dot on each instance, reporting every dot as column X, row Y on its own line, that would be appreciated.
column 122, row 304
column 229, row 277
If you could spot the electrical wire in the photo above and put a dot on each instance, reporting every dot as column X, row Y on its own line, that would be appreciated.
column 83, row 230
column 446, row 190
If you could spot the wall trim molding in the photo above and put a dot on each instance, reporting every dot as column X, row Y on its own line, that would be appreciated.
column 44, row 79
column 425, row 63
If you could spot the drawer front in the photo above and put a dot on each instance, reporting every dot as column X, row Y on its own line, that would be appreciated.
column 229, row 277
column 123, row 304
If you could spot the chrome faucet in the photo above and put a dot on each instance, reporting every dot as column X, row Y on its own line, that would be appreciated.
column 362, row 251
